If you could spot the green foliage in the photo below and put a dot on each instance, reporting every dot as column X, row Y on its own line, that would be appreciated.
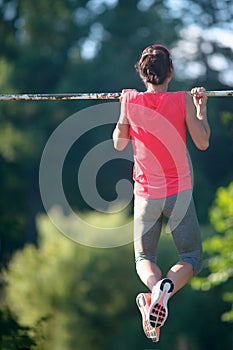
column 69, row 289
column 62, row 295
column 7, row 70
column 221, row 214
column 219, row 247
column 16, row 144
column 13, row 336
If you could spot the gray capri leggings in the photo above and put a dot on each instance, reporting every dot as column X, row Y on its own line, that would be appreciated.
column 182, row 221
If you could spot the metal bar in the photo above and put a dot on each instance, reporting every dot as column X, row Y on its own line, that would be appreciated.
column 220, row 93
column 85, row 96
column 55, row 97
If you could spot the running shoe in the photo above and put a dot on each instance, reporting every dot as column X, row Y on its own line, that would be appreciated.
column 158, row 311
column 143, row 301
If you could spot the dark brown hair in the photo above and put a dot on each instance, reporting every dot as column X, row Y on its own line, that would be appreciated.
column 155, row 64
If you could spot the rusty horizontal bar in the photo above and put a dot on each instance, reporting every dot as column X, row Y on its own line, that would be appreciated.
column 85, row 96
column 56, row 97
column 222, row 93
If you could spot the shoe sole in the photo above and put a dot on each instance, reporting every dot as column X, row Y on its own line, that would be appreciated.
column 158, row 311
column 151, row 332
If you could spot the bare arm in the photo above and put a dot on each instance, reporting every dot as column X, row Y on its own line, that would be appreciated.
column 121, row 133
column 121, row 136
column 196, row 117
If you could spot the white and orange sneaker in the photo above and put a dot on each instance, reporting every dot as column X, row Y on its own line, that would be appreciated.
column 158, row 312
column 143, row 301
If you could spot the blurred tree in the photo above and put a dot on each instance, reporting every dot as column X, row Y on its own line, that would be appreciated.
column 74, row 292
column 65, row 296
column 204, row 48
column 219, row 247
column 34, row 53
column 13, row 336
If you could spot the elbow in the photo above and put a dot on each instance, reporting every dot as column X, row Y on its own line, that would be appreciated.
column 119, row 146
column 116, row 142
column 120, row 139
column 204, row 142
column 116, row 146
column 203, row 146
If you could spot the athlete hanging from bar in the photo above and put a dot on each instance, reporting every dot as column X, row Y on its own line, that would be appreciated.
column 156, row 122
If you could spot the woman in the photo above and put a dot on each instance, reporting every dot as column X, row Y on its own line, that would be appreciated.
column 156, row 122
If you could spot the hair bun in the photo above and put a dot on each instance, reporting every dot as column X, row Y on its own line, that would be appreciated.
column 155, row 64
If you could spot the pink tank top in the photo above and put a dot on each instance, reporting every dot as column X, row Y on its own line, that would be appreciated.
column 158, row 133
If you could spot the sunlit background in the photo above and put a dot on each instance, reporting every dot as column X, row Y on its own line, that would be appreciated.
column 55, row 293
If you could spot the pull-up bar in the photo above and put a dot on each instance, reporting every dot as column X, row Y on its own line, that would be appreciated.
column 85, row 96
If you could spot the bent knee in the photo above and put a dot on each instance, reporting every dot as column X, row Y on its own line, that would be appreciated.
column 195, row 259
column 141, row 260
